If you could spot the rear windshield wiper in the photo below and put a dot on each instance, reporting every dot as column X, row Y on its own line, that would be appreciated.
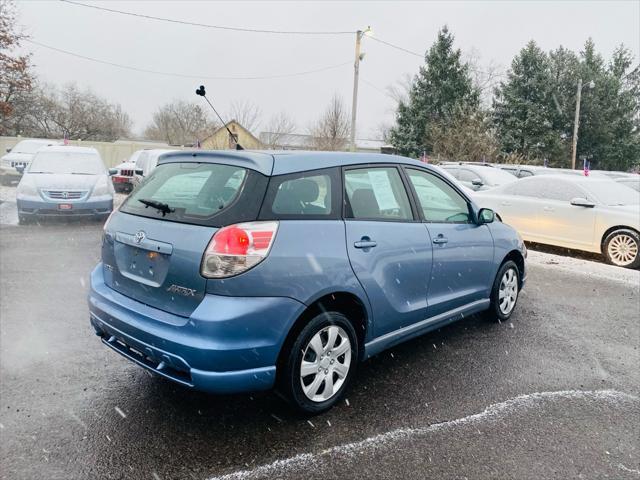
column 161, row 207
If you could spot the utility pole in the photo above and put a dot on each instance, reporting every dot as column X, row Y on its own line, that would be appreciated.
column 354, row 104
column 575, row 125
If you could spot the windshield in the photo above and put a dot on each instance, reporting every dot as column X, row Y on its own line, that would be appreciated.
column 29, row 146
column 496, row 176
column 67, row 162
column 612, row 193
column 192, row 192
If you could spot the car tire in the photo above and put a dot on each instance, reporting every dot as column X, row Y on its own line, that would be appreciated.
column 622, row 248
column 23, row 220
column 327, row 365
column 504, row 292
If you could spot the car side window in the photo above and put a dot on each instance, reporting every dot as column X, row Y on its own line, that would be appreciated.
column 302, row 195
column 440, row 203
column 376, row 193
column 545, row 188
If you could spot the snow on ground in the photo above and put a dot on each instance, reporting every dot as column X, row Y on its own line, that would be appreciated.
column 585, row 267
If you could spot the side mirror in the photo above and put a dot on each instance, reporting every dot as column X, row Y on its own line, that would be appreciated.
column 20, row 169
column 582, row 202
column 8, row 150
column 139, row 171
column 113, row 171
column 476, row 182
column 486, row 215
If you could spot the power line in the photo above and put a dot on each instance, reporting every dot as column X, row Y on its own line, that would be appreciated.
column 206, row 25
column 182, row 75
column 397, row 47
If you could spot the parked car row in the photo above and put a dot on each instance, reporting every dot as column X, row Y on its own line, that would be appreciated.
column 598, row 213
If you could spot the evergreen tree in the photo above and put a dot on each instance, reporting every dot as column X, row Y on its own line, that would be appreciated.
column 442, row 86
column 524, row 108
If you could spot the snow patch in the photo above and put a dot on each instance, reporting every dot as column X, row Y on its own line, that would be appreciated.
column 491, row 413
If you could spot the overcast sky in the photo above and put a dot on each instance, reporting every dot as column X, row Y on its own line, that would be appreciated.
column 496, row 30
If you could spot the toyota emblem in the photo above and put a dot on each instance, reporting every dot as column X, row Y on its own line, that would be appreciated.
column 139, row 237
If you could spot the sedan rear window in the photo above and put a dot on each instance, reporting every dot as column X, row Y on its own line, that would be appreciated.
column 187, row 192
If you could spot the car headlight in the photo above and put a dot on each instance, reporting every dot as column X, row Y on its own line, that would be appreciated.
column 26, row 188
column 102, row 187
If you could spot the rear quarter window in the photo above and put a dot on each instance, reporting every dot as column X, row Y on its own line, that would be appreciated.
column 305, row 195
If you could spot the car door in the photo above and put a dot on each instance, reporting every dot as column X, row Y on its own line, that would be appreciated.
column 519, row 204
column 462, row 250
column 386, row 247
column 560, row 222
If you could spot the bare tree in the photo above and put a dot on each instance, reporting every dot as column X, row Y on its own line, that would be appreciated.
column 180, row 123
column 278, row 127
column 331, row 130
column 485, row 76
column 15, row 76
column 399, row 91
column 77, row 114
column 246, row 114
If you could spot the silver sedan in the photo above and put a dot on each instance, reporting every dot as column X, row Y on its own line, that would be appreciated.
column 583, row 213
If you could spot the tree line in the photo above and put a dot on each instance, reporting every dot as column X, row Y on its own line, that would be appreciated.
column 531, row 116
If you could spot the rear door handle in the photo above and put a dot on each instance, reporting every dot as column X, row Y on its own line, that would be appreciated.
column 365, row 244
column 440, row 239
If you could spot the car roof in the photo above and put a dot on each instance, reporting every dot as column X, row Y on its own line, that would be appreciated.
column 68, row 148
column 284, row 162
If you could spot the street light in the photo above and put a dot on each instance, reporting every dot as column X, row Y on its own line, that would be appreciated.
column 576, row 122
column 356, row 72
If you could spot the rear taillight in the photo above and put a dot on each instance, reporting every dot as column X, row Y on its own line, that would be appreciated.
column 237, row 248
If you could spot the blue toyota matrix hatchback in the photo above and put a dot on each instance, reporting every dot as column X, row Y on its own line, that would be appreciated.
column 237, row 271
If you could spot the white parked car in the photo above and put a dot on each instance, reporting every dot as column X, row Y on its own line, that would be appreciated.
column 122, row 174
column 146, row 163
column 632, row 182
column 584, row 213
column 18, row 158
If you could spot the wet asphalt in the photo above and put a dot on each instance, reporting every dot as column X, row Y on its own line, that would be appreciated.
column 551, row 394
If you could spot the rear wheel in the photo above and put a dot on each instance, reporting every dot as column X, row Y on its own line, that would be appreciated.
column 504, row 293
column 622, row 248
column 320, row 363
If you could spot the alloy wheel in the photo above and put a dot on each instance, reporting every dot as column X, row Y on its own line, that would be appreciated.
column 622, row 250
column 325, row 363
column 508, row 292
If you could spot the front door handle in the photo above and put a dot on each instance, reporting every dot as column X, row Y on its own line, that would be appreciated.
column 440, row 239
column 366, row 242
column 547, row 209
column 505, row 204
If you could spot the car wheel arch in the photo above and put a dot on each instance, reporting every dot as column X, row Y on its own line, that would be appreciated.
column 517, row 257
column 610, row 230
column 343, row 302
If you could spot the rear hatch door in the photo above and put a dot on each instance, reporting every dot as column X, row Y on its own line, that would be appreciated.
column 153, row 246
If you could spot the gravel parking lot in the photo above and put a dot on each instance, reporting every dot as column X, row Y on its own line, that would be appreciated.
column 551, row 394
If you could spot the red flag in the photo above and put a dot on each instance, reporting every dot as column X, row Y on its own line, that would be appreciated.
column 66, row 139
column 585, row 167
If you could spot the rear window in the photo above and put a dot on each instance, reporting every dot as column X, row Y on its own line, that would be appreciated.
column 198, row 193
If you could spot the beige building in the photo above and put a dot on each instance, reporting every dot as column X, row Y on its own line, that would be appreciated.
column 221, row 139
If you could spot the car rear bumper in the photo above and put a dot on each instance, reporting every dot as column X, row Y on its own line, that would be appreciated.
column 41, row 208
column 227, row 345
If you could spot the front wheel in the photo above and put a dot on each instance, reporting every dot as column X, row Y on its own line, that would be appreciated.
column 320, row 363
column 622, row 248
column 504, row 293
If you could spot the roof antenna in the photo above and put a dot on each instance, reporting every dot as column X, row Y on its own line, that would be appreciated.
column 200, row 91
